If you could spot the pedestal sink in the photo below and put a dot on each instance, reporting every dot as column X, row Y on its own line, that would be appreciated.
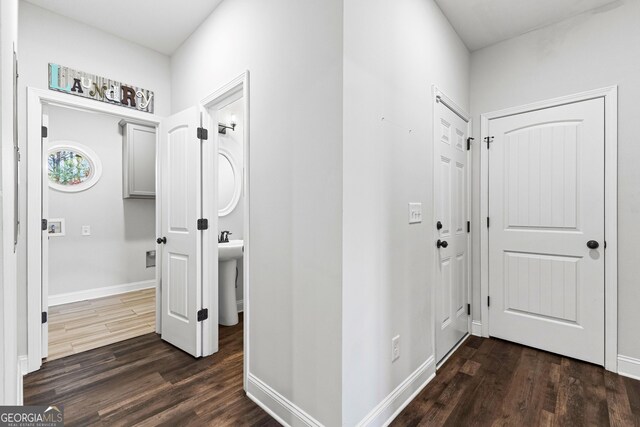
column 228, row 255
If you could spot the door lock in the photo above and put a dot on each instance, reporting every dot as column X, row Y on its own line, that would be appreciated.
column 592, row 244
column 439, row 225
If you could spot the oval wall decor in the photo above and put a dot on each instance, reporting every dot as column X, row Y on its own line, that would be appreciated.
column 72, row 167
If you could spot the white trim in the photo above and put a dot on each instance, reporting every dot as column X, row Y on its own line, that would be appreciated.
column 240, row 305
column 439, row 96
column 279, row 407
column 232, row 91
column 37, row 99
column 610, row 95
column 23, row 367
column 476, row 328
column 387, row 410
column 629, row 367
column 106, row 291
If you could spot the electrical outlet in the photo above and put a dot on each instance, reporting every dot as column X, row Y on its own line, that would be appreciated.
column 86, row 230
column 395, row 348
column 415, row 213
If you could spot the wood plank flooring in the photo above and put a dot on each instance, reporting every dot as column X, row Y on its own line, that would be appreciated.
column 85, row 325
column 490, row 382
column 145, row 381
column 487, row 382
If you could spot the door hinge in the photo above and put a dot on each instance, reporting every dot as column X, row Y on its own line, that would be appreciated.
column 605, row 244
column 488, row 140
column 203, row 314
column 488, row 301
column 203, row 134
column 469, row 143
column 468, row 226
column 44, row 224
column 469, row 309
column 45, row 317
column 203, row 224
column 45, row 131
column 487, row 222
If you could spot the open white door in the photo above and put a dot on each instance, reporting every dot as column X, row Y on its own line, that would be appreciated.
column 451, row 192
column 45, row 233
column 181, row 242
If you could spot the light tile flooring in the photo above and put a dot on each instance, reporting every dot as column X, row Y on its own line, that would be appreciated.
column 84, row 325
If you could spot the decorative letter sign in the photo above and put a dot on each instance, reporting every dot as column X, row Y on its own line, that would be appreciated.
column 64, row 79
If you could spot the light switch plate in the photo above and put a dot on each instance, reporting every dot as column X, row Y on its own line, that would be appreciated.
column 86, row 230
column 415, row 213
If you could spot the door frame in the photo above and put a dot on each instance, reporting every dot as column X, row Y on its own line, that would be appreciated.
column 37, row 99
column 610, row 96
column 238, row 87
column 440, row 97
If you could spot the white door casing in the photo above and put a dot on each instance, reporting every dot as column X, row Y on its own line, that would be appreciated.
column 45, row 232
column 451, row 194
column 546, row 201
column 181, row 160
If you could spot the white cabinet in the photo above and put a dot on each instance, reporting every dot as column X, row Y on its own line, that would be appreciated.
column 138, row 161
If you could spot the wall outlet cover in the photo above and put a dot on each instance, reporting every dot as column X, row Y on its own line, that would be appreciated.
column 86, row 230
column 395, row 348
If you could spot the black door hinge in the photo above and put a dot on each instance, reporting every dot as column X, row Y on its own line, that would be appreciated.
column 488, row 301
column 487, row 222
column 468, row 226
column 469, row 309
column 44, row 224
column 203, row 134
column 469, row 143
column 203, row 224
column 488, row 140
column 203, row 314
column 45, row 317
column 45, row 131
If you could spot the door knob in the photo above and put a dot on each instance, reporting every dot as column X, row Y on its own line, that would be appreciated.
column 161, row 240
column 439, row 225
column 592, row 244
column 441, row 244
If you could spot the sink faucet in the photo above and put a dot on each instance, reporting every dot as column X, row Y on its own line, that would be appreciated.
column 224, row 237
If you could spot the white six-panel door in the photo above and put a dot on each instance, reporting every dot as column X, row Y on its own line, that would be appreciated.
column 451, row 207
column 546, row 202
column 180, row 154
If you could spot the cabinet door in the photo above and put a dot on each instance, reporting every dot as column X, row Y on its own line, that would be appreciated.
column 139, row 161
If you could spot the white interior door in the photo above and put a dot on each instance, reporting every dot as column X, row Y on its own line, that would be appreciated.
column 452, row 213
column 181, row 247
column 45, row 233
column 546, row 202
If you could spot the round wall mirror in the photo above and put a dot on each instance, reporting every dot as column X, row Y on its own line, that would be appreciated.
column 229, row 183
column 72, row 167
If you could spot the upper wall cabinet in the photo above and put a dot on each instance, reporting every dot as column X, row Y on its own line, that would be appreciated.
column 138, row 161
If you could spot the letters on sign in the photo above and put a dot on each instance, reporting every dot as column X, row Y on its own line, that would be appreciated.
column 64, row 79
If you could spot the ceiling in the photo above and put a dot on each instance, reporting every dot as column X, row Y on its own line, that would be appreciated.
column 161, row 25
column 481, row 23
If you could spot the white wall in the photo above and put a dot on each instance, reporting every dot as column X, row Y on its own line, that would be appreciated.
column 9, row 374
column 293, row 51
column 233, row 142
column 46, row 37
column 122, row 230
column 590, row 51
column 394, row 51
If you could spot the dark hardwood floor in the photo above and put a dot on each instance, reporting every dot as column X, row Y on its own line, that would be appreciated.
column 487, row 382
column 490, row 382
column 146, row 381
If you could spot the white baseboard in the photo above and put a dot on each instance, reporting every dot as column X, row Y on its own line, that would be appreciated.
column 279, row 407
column 23, row 368
column 629, row 367
column 398, row 399
column 476, row 328
column 100, row 292
column 240, row 305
